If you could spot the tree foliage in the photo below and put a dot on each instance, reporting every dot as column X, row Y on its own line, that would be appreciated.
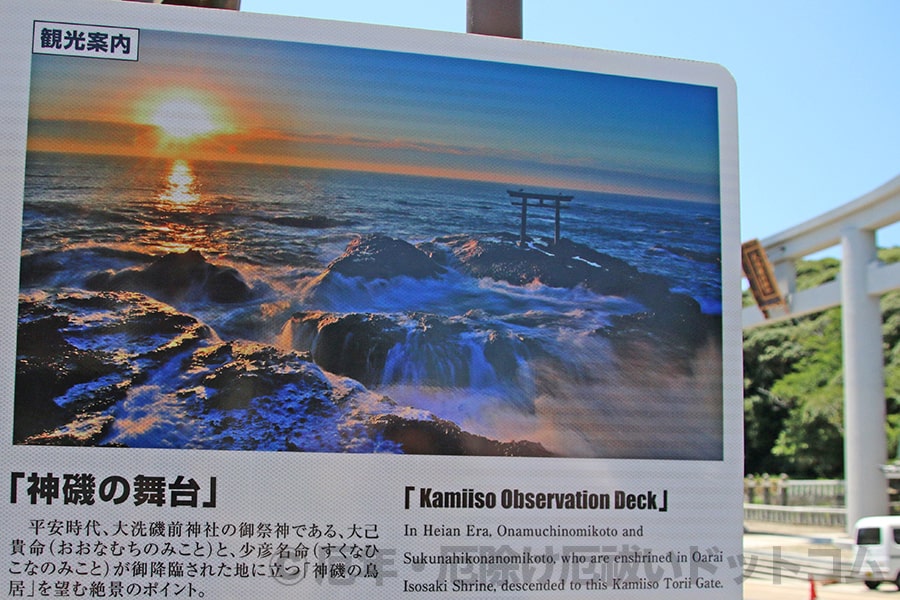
column 793, row 384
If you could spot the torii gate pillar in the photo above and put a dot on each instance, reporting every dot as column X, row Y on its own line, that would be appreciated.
column 865, row 443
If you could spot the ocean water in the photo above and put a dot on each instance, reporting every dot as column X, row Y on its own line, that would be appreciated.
column 252, row 214
column 280, row 227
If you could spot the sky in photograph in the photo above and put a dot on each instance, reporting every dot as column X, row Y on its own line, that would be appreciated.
column 248, row 100
column 817, row 81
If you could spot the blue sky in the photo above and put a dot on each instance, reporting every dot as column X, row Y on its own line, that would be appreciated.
column 817, row 80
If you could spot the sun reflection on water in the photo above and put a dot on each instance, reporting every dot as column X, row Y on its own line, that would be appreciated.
column 181, row 185
column 180, row 194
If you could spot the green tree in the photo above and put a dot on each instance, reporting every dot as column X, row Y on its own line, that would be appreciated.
column 811, row 440
column 793, row 386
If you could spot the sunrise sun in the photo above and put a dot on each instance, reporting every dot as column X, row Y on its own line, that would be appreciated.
column 183, row 116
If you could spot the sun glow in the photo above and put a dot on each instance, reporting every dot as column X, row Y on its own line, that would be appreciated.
column 183, row 119
column 183, row 116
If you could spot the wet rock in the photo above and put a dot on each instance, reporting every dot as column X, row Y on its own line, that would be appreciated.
column 438, row 436
column 565, row 264
column 47, row 366
column 177, row 277
column 355, row 345
column 37, row 267
column 121, row 369
column 238, row 373
column 382, row 257
column 568, row 264
column 419, row 348
column 309, row 222
column 83, row 430
column 80, row 352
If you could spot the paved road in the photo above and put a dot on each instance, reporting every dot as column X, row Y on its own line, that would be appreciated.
column 799, row 544
column 760, row 589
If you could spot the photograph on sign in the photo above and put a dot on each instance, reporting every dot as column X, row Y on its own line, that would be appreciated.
column 365, row 258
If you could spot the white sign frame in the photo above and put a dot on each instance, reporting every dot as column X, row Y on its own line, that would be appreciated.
column 643, row 527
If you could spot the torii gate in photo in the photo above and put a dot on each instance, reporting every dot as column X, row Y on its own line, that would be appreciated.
column 524, row 197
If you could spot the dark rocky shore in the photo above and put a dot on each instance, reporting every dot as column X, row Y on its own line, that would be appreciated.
column 81, row 353
column 251, row 396
column 357, row 344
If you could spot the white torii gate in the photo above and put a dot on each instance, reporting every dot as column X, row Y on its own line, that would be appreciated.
column 862, row 281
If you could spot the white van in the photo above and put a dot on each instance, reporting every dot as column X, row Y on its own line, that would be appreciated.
column 877, row 550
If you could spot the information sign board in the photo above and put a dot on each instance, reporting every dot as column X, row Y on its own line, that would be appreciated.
column 302, row 307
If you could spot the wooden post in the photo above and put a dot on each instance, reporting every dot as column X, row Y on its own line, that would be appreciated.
column 524, row 221
column 502, row 18
column 556, row 231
